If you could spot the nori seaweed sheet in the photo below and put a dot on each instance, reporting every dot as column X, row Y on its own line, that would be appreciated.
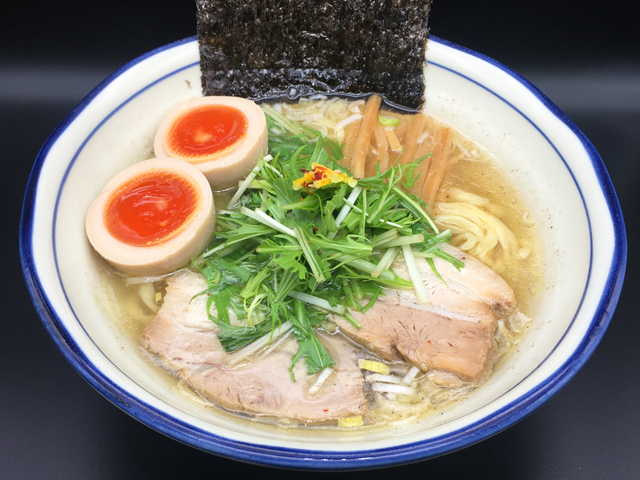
column 264, row 49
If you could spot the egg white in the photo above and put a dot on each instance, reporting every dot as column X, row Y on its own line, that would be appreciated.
column 167, row 255
column 225, row 170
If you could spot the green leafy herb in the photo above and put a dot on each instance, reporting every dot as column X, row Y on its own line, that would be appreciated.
column 282, row 254
column 316, row 357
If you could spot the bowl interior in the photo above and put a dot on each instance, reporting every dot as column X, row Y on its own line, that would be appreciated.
column 542, row 152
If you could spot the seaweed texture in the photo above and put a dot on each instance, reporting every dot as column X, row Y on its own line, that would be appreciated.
column 264, row 49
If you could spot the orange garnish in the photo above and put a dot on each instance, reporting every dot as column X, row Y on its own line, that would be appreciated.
column 319, row 176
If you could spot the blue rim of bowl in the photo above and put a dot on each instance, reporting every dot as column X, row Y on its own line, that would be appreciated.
column 319, row 459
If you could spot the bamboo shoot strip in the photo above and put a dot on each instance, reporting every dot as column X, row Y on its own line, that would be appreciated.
column 416, row 128
column 382, row 146
column 424, row 149
column 350, row 139
column 437, row 168
column 369, row 121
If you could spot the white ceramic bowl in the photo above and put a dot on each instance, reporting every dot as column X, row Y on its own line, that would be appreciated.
column 559, row 172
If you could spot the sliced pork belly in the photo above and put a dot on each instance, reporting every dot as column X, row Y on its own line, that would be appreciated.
column 469, row 294
column 476, row 281
column 266, row 387
column 181, row 334
column 186, row 341
column 425, row 339
column 454, row 333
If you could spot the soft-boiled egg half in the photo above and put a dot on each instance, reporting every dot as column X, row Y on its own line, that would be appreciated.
column 224, row 137
column 153, row 217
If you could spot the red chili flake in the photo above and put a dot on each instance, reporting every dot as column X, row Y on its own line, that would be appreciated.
column 429, row 342
column 315, row 229
column 326, row 410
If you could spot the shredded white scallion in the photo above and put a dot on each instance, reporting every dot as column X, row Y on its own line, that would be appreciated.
column 262, row 217
column 411, row 375
column 148, row 296
column 421, row 292
column 326, row 373
column 423, row 137
column 153, row 279
column 391, row 388
column 188, row 392
column 518, row 321
column 355, row 106
column 378, row 377
column 273, row 346
column 403, row 421
column 346, row 209
column 349, row 120
column 239, row 355
column 244, row 184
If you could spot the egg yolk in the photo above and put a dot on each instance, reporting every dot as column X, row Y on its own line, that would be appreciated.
column 205, row 131
column 151, row 208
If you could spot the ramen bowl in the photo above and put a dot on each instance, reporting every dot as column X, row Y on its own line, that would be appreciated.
column 557, row 170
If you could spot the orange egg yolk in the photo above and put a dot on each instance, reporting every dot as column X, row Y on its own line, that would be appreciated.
column 151, row 208
column 205, row 131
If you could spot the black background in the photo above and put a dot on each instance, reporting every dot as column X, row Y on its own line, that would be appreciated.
column 584, row 55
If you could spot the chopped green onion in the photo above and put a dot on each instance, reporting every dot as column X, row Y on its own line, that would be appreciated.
column 388, row 121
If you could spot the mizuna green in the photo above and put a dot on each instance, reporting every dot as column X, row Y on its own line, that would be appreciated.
column 286, row 256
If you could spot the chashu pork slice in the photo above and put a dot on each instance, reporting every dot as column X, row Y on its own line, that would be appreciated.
column 185, row 340
column 454, row 333
column 476, row 281
column 427, row 340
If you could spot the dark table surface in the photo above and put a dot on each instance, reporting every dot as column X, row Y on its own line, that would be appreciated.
column 586, row 58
